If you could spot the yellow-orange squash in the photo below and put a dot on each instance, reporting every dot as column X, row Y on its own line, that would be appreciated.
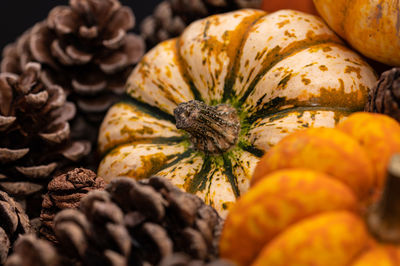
column 300, row 5
column 377, row 135
column 237, row 82
column 370, row 26
column 315, row 200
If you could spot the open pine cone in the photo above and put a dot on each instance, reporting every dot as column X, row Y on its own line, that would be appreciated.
column 138, row 223
column 171, row 17
column 85, row 48
column 34, row 132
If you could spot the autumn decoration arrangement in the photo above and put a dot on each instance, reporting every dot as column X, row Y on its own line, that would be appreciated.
column 221, row 132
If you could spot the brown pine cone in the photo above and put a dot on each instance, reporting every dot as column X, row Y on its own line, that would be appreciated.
column 31, row 251
column 34, row 132
column 138, row 223
column 65, row 192
column 13, row 221
column 85, row 48
column 180, row 259
column 171, row 17
column 384, row 98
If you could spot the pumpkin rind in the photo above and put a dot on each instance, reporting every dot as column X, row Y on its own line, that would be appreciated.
column 378, row 134
column 380, row 255
column 370, row 26
column 341, row 232
column 279, row 201
column 321, row 149
column 278, row 70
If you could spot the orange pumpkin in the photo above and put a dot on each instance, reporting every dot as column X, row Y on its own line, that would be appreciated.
column 311, row 201
column 301, row 5
column 378, row 135
column 370, row 26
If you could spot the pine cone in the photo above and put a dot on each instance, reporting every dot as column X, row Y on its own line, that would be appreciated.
column 65, row 192
column 13, row 221
column 171, row 17
column 34, row 132
column 384, row 98
column 85, row 48
column 31, row 251
column 138, row 223
column 180, row 259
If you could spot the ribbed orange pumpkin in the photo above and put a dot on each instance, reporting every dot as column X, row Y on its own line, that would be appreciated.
column 378, row 135
column 301, row 5
column 315, row 200
column 370, row 26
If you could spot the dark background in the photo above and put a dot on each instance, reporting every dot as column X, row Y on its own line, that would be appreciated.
column 16, row 16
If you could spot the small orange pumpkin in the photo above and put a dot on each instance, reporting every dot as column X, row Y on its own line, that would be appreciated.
column 378, row 135
column 301, row 5
column 315, row 200
column 370, row 26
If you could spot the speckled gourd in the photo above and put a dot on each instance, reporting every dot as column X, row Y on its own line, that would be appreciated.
column 261, row 76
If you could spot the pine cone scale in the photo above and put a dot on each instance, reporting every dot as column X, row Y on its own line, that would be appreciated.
column 9, row 219
column 89, row 87
column 77, row 56
column 13, row 221
column 20, row 188
column 60, row 134
column 113, row 63
column 6, row 122
column 10, row 155
column 63, row 20
column 39, row 40
column 4, row 245
column 29, row 250
column 40, row 171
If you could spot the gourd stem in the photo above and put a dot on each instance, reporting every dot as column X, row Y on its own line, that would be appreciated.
column 213, row 129
column 384, row 217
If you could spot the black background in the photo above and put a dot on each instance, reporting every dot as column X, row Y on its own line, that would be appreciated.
column 16, row 16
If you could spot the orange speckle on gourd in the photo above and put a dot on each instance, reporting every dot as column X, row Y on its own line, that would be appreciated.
column 350, row 69
column 283, row 23
column 150, row 164
column 287, row 33
column 305, row 80
column 323, row 68
column 327, row 49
